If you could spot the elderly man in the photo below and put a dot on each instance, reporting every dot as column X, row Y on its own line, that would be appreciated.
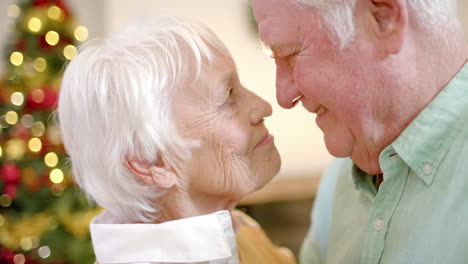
column 388, row 81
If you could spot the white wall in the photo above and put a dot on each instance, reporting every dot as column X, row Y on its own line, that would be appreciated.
column 463, row 7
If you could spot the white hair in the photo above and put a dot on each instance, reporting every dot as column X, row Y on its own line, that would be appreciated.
column 116, row 102
column 435, row 16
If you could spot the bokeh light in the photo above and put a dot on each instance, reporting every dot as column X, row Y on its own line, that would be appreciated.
column 43, row 252
column 51, row 159
column 40, row 64
column 52, row 38
column 69, row 52
column 26, row 243
column 27, row 120
column 56, row 176
column 5, row 200
column 81, row 33
column 15, row 149
column 11, row 117
column 54, row 12
column 37, row 95
column 35, row 144
column 34, row 24
column 38, row 129
column 16, row 58
column 17, row 98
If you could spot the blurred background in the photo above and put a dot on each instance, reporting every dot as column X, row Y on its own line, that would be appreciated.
column 42, row 218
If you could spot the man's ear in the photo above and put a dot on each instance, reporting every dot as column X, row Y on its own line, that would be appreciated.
column 388, row 23
column 158, row 173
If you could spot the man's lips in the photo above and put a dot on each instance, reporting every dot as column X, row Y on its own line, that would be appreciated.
column 320, row 110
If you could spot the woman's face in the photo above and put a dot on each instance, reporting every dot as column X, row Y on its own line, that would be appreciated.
column 237, row 155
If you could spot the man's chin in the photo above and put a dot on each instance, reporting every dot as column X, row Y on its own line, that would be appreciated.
column 338, row 150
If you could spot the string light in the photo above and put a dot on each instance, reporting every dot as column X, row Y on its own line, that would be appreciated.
column 51, row 159
column 15, row 149
column 56, row 176
column 11, row 117
column 69, row 52
column 27, row 121
column 40, row 64
column 34, row 24
column 17, row 98
column 1, row 151
column 53, row 135
column 37, row 95
column 81, row 33
column 26, row 243
column 35, row 144
column 43, row 252
column 13, row 11
column 16, row 58
column 52, row 38
column 38, row 129
column 19, row 259
column 5, row 200
column 54, row 12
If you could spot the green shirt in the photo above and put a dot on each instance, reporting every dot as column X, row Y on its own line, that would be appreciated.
column 420, row 213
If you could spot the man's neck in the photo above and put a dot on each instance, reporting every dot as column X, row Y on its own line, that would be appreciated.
column 432, row 75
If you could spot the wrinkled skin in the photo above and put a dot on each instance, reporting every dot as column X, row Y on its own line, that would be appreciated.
column 228, row 121
column 366, row 94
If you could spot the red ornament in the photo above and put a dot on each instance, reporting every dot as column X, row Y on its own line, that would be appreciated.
column 48, row 100
column 11, row 174
column 21, row 44
column 41, row 2
column 6, row 255
column 21, row 131
column 11, row 190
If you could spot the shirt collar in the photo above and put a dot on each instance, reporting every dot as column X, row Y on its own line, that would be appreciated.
column 425, row 142
column 196, row 239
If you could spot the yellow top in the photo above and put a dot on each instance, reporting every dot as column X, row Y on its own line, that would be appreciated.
column 254, row 246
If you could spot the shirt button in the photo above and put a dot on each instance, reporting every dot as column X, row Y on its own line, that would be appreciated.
column 427, row 169
column 379, row 225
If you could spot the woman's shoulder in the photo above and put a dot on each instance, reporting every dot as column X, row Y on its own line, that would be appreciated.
column 254, row 246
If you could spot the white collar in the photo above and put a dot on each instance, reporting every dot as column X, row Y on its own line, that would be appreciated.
column 207, row 238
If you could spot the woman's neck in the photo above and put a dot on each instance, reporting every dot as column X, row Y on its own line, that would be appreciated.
column 178, row 205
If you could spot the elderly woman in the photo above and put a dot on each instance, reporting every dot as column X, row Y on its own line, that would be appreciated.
column 162, row 134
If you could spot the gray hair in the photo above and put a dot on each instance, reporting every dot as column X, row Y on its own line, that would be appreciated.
column 435, row 16
column 116, row 102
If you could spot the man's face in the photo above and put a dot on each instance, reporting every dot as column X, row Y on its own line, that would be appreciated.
column 336, row 85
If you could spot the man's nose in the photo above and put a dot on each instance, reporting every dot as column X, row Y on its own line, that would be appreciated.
column 286, row 90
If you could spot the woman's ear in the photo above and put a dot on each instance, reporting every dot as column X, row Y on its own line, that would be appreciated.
column 388, row 23
column 159, row 173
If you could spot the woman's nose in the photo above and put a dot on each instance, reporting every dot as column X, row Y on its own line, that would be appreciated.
column 259, row 110
column 286, row 90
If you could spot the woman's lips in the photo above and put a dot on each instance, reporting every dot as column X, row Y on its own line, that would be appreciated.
column 267, row 139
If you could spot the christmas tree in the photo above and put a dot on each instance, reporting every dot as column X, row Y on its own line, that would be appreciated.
column 43, row 218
